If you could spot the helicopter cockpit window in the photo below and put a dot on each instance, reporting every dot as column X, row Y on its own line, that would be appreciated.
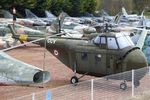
column 103, row 40
column 97, row 40
column 124, row 41
column 112, row 43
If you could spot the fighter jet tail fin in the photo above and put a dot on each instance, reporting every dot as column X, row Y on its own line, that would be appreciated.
column 124, row 12
column 57, row 24
column 117, row 18
column 104, row 13
column 141, row 23
column 31, row 15
column 49, row 14
column 6, row 14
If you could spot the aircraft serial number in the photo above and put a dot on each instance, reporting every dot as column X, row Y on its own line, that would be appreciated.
column 51, row 41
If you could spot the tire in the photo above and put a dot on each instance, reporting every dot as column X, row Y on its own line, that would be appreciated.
column 123, row 86
column 74, row 80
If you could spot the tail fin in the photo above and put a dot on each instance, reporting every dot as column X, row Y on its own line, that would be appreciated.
column 124, row 11
column 57, row 24
column 142, row 14
column 12, row 29
column 104, row 13
column 117, row 18
column 141, row 23
column 29, row 14
column 14, row 35
column 49, row 14
column 7, row 14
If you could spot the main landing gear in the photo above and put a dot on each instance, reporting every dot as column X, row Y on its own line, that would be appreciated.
column 123, row 85
column 74, row 80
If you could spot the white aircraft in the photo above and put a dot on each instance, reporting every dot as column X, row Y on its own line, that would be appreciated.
column 130, row 18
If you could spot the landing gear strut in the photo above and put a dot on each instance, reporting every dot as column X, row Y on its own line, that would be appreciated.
column 123, row 85
column 74, row 80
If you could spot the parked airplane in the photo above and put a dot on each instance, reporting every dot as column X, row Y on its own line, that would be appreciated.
column 130, row 18
column 47, row 20
column 22, row 21
column 15, row 72
column 106, row 54
column 6, row 37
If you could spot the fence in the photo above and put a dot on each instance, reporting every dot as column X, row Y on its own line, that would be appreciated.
column 120, row 86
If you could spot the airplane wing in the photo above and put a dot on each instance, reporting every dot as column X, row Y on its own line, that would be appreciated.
column 13, row 71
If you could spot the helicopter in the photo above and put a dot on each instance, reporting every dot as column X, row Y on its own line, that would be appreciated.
column 106, row 54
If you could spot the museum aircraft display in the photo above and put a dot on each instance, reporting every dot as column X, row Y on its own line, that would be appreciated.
column 131, row 17
column 106, row 54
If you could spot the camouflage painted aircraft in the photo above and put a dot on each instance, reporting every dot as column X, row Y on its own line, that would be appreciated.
column 47, row 20
column 6, row 39
column 15, row 72
column 21, row 21
column 106, row 54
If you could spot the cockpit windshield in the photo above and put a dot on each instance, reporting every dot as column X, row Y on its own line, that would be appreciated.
column 124, row 41
column 117, row 41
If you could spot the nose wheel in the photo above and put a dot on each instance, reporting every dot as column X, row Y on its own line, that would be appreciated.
column 74, row 80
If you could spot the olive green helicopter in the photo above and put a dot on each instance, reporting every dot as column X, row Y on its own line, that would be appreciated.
column 106, row 54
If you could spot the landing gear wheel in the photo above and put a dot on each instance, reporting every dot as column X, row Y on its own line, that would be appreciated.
column 74, row 80
column 123, row 86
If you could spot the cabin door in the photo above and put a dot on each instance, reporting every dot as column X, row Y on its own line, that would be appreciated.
column 110, row 64
column 82, row 62
column 99, row 63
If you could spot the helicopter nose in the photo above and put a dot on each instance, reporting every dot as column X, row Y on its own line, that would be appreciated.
column 135, row 60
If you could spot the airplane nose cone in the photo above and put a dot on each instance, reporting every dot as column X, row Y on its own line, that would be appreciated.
column 135, row 60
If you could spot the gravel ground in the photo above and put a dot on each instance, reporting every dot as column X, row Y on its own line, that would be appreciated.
column 60, row 76
column 34, row 55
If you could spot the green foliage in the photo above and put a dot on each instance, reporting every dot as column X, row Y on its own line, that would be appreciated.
column 79, row 7
column 25, row 3
column 57, row 6
column 72, row 7
column 140, row 5
column 6, row 4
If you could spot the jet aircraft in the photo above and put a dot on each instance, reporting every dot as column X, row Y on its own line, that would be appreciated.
column 15, row 72
column 21, row 21
column 132, row 17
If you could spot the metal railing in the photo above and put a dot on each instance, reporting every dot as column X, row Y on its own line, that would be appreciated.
column 120, row 86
